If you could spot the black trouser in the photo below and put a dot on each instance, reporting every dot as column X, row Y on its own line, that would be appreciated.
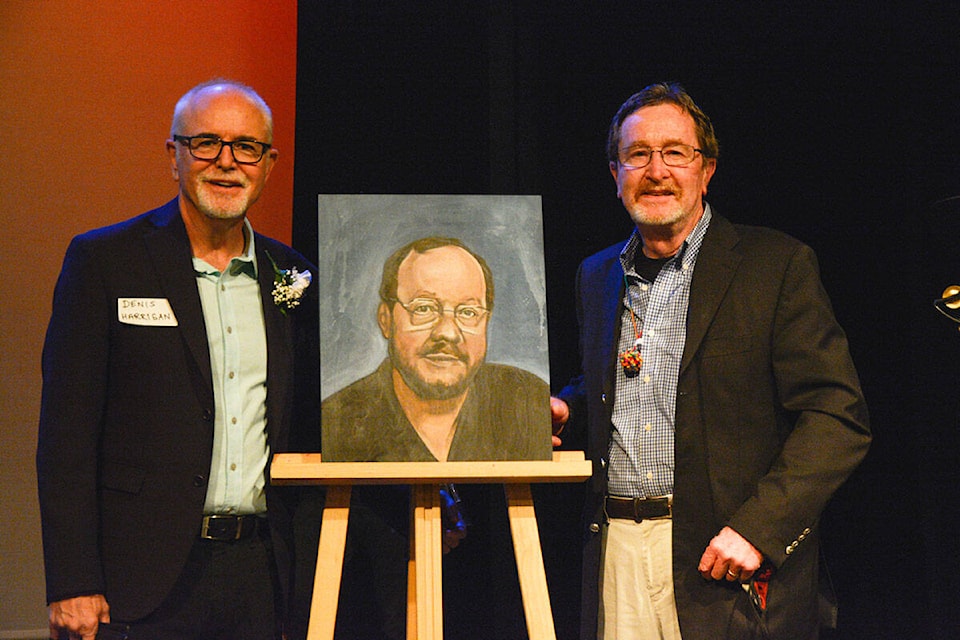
column 227, row 591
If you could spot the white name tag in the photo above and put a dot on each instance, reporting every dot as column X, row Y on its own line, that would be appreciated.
column 146, row 312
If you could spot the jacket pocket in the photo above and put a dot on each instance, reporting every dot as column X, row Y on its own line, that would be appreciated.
column 121, row 477
column 726, row 345
column 746, row 622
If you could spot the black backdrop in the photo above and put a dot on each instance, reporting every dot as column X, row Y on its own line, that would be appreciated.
column 838, row 123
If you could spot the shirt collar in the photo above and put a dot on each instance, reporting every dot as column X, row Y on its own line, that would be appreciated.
column 245, row 263
column 685, row 257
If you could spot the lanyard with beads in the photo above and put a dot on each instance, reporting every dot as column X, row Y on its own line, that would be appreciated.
column 630, row 358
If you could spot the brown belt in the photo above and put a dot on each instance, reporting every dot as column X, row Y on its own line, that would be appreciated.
column 638, row 509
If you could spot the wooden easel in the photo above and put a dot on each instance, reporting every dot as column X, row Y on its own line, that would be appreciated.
column 425, row 578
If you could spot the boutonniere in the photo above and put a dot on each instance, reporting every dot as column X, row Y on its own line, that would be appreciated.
column 288, row 286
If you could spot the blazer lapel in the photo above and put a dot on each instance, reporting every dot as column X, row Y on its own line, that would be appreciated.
column 169, row 248
column 279, row 354
column 610, row 318
column 716, row 265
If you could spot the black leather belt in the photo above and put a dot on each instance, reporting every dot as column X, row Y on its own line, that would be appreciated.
column 225, row 528
column 638, row 509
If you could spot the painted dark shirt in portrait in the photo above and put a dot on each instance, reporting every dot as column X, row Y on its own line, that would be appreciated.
column 506, row 416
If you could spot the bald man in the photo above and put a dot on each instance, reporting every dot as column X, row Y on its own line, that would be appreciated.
column 182, row 352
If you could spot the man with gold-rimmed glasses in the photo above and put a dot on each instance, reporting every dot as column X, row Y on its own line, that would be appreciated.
column 717, row 400
column 435, row 397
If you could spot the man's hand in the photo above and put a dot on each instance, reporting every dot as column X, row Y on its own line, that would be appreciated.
column 80, row 617
column 560, row 413
column 729, row 557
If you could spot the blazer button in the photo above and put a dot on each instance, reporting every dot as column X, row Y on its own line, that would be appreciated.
column 594, row 527
column 603, row 398
column 199, row 481
column 207, row 415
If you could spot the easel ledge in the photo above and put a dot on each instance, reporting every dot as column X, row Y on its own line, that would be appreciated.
column 307, row 468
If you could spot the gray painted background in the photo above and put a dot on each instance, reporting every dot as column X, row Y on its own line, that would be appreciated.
column 358, row 232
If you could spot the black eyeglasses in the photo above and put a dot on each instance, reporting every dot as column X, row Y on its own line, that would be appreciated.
column 207, row 147
column 674, row 155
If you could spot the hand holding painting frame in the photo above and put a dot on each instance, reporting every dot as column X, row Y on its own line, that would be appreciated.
column 440, row 405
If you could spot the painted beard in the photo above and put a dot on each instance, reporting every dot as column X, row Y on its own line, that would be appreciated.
column 439, row 389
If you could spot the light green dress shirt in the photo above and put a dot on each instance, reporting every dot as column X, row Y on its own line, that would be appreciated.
column 233, row 315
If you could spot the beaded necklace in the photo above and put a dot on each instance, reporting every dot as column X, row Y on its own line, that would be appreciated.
column 630, row 359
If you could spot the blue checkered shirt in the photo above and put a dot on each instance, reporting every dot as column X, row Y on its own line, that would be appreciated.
column 641, row 446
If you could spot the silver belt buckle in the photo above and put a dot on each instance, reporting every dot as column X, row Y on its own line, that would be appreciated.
column 205, row 526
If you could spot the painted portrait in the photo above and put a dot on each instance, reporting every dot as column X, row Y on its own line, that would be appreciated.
column 433, row 328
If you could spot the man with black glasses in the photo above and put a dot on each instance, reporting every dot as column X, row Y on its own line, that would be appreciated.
column 182, row 352
column 718, row 402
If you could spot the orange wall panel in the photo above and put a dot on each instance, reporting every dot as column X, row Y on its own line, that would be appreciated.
column 87, row 91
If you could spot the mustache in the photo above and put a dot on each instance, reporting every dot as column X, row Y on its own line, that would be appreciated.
column 232, row 178
column 443, row 347
column 659, row 189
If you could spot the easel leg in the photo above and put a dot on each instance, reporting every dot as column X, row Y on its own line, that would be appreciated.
column 326, row 581
column 425, row 578
column 526, row 548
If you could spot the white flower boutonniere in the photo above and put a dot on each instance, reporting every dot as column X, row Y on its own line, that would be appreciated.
column 288, row 286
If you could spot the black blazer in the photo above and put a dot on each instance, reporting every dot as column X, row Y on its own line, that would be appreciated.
column 770, row 421
column 126, row 424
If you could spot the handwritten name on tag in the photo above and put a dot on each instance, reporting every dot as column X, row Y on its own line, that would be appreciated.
column 146, row 312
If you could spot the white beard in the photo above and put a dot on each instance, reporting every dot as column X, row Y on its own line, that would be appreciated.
column 221, row 208
column 641, row 216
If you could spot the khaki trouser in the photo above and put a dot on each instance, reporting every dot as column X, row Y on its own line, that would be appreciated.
column 636, row 581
